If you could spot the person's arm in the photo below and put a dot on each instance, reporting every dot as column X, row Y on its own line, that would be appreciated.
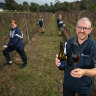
column 83, row 72
column 42, row 21
column 90, row 72
column 39, row 21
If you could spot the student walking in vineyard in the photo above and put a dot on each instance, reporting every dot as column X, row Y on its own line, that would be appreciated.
column 60, row 24
column 81, row 61
column 41, row 23
column 15, row 43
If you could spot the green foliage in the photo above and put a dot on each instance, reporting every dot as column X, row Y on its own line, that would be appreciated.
column 52, row 8
column 20, row 7
column 34, row 7
column 93, row 6
column 44, row 7
column 26, row 6
column 11, row 5
column 64, row 6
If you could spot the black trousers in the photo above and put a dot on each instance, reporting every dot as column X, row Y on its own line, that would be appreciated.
column 20, row 52
column 69, row 92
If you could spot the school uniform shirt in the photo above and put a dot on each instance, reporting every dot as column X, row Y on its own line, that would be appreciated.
column 59, row 22
column 87, row 60
column 16, row 39
column 41, row 22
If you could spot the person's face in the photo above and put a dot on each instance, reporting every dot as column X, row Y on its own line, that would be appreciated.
column 39, row 16
column 60, row 16
column 83, row 29
column 13, row 25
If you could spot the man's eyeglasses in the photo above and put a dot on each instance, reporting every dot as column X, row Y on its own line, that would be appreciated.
column 84, row 28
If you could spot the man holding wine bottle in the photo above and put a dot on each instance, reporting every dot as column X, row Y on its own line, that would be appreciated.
column 81, row 60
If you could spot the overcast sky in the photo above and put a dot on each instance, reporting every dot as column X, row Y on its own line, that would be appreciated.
column 41, row 2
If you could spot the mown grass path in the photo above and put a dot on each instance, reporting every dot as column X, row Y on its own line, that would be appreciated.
column 41, row 77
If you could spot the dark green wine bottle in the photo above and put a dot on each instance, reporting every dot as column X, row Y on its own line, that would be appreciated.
column 62, row 57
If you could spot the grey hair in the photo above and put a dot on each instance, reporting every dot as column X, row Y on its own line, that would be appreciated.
column 85, row 19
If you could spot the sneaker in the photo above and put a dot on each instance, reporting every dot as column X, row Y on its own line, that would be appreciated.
column 24, row 65
column 43, row 32
column 10, row 62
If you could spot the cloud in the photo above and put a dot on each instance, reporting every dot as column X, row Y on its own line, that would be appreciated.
column 2, row 0
column 41, row 2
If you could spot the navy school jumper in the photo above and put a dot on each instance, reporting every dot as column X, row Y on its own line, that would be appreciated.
column 15, row 43
column 41, row 22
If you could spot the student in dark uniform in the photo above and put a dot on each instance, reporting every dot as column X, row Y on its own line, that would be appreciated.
column 79, row 78
column 60, row 24
column 15, row 43
column 41, row 23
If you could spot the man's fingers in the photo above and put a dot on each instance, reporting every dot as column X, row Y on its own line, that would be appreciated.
column 56, row 55
column 73, row 74
column 57, row 61
column 58, row 64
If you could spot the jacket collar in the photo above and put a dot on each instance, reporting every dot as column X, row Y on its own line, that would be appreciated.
column 14, row 28
column 76, row 43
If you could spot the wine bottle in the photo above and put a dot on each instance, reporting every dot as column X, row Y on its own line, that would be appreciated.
column 62, row 57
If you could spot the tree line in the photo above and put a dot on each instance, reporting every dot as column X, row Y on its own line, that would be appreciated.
column 64, row 6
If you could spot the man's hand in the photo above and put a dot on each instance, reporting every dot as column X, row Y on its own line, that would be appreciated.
column 57, row 61
column 78, row 73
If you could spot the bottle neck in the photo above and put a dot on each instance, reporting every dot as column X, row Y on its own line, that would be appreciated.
column 61, row 47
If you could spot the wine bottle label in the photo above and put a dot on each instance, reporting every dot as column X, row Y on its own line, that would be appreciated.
column 63, row 64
